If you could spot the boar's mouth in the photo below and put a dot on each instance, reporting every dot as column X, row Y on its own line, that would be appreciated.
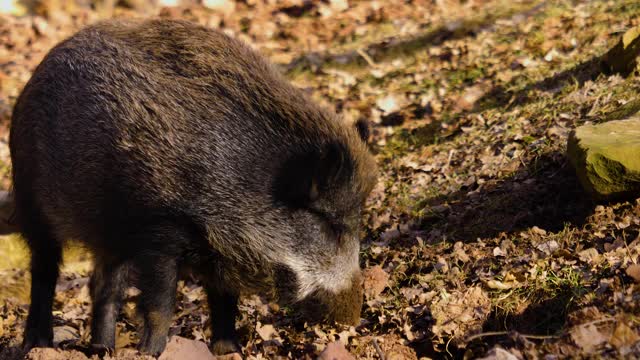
column 321, row 305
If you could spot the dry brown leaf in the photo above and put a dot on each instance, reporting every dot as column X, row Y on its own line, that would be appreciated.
column 634, row 271
column 64, row 333
column 499, row 285
column 624, row 336
column 375, row 281
column 266, row 332
column 590, row 256
column 459, row 313
column 588, row 337
column 54, row 354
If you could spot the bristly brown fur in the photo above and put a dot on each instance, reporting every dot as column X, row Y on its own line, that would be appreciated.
column 163, row 144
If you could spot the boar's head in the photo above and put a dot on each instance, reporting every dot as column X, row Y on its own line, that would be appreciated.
column 324, row 188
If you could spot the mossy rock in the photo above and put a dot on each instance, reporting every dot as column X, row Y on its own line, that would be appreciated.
column 607, row 158
column 622, row 58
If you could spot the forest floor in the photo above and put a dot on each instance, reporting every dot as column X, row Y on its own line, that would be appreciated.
column 479, row 241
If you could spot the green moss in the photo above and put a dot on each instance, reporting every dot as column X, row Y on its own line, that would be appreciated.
column 625, row 110
column 607, row 157
column 465, row 76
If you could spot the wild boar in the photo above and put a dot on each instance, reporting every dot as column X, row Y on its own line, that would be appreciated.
column 163, row 144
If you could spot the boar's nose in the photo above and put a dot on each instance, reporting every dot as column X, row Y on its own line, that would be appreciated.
column 342, row 307
column 346, row 305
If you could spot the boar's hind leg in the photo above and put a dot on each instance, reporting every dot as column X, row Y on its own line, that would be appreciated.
column 46, row 254
column 224, row 309
column 108, row 282
column 158, row 274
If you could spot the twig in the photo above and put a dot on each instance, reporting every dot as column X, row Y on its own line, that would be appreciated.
column 626, row 246
column 564, row 163
column 451, row 152
column 595, row 104
column 378, row 350
column 366, row 57
column 503, row 333
column 596, row 322
column 536, row 337
column 391, row 46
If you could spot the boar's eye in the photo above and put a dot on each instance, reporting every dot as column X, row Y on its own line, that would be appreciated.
column 338, row 232
column 304, row 177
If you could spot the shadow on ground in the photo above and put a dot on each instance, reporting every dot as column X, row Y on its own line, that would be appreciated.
column 12, row 353
column 501, row 97
column 546, row 194
column 407, row 47
column 543, row 319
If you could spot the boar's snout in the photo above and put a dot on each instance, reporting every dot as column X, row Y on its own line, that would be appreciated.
column 348, row 303
column 342, row 307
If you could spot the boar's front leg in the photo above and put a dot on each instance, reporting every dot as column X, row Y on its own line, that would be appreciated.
column 108, row 282
column 224, row 309
column 158, row 282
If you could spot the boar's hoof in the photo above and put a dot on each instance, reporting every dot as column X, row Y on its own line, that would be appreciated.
column 101, row 350
column 224, row 346
column 152, row 346
column 34, row 341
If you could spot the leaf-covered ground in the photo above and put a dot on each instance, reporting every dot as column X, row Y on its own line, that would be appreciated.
column 479, row 241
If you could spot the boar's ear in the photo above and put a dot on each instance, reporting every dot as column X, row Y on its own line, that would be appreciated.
column 364, row 129
column 304, row 177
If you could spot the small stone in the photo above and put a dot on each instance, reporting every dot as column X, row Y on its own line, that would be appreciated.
column 335, row 351
column 606, row 158
column 181, row 348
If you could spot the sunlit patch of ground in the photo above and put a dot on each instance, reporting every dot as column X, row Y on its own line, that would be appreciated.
column 488, row 240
